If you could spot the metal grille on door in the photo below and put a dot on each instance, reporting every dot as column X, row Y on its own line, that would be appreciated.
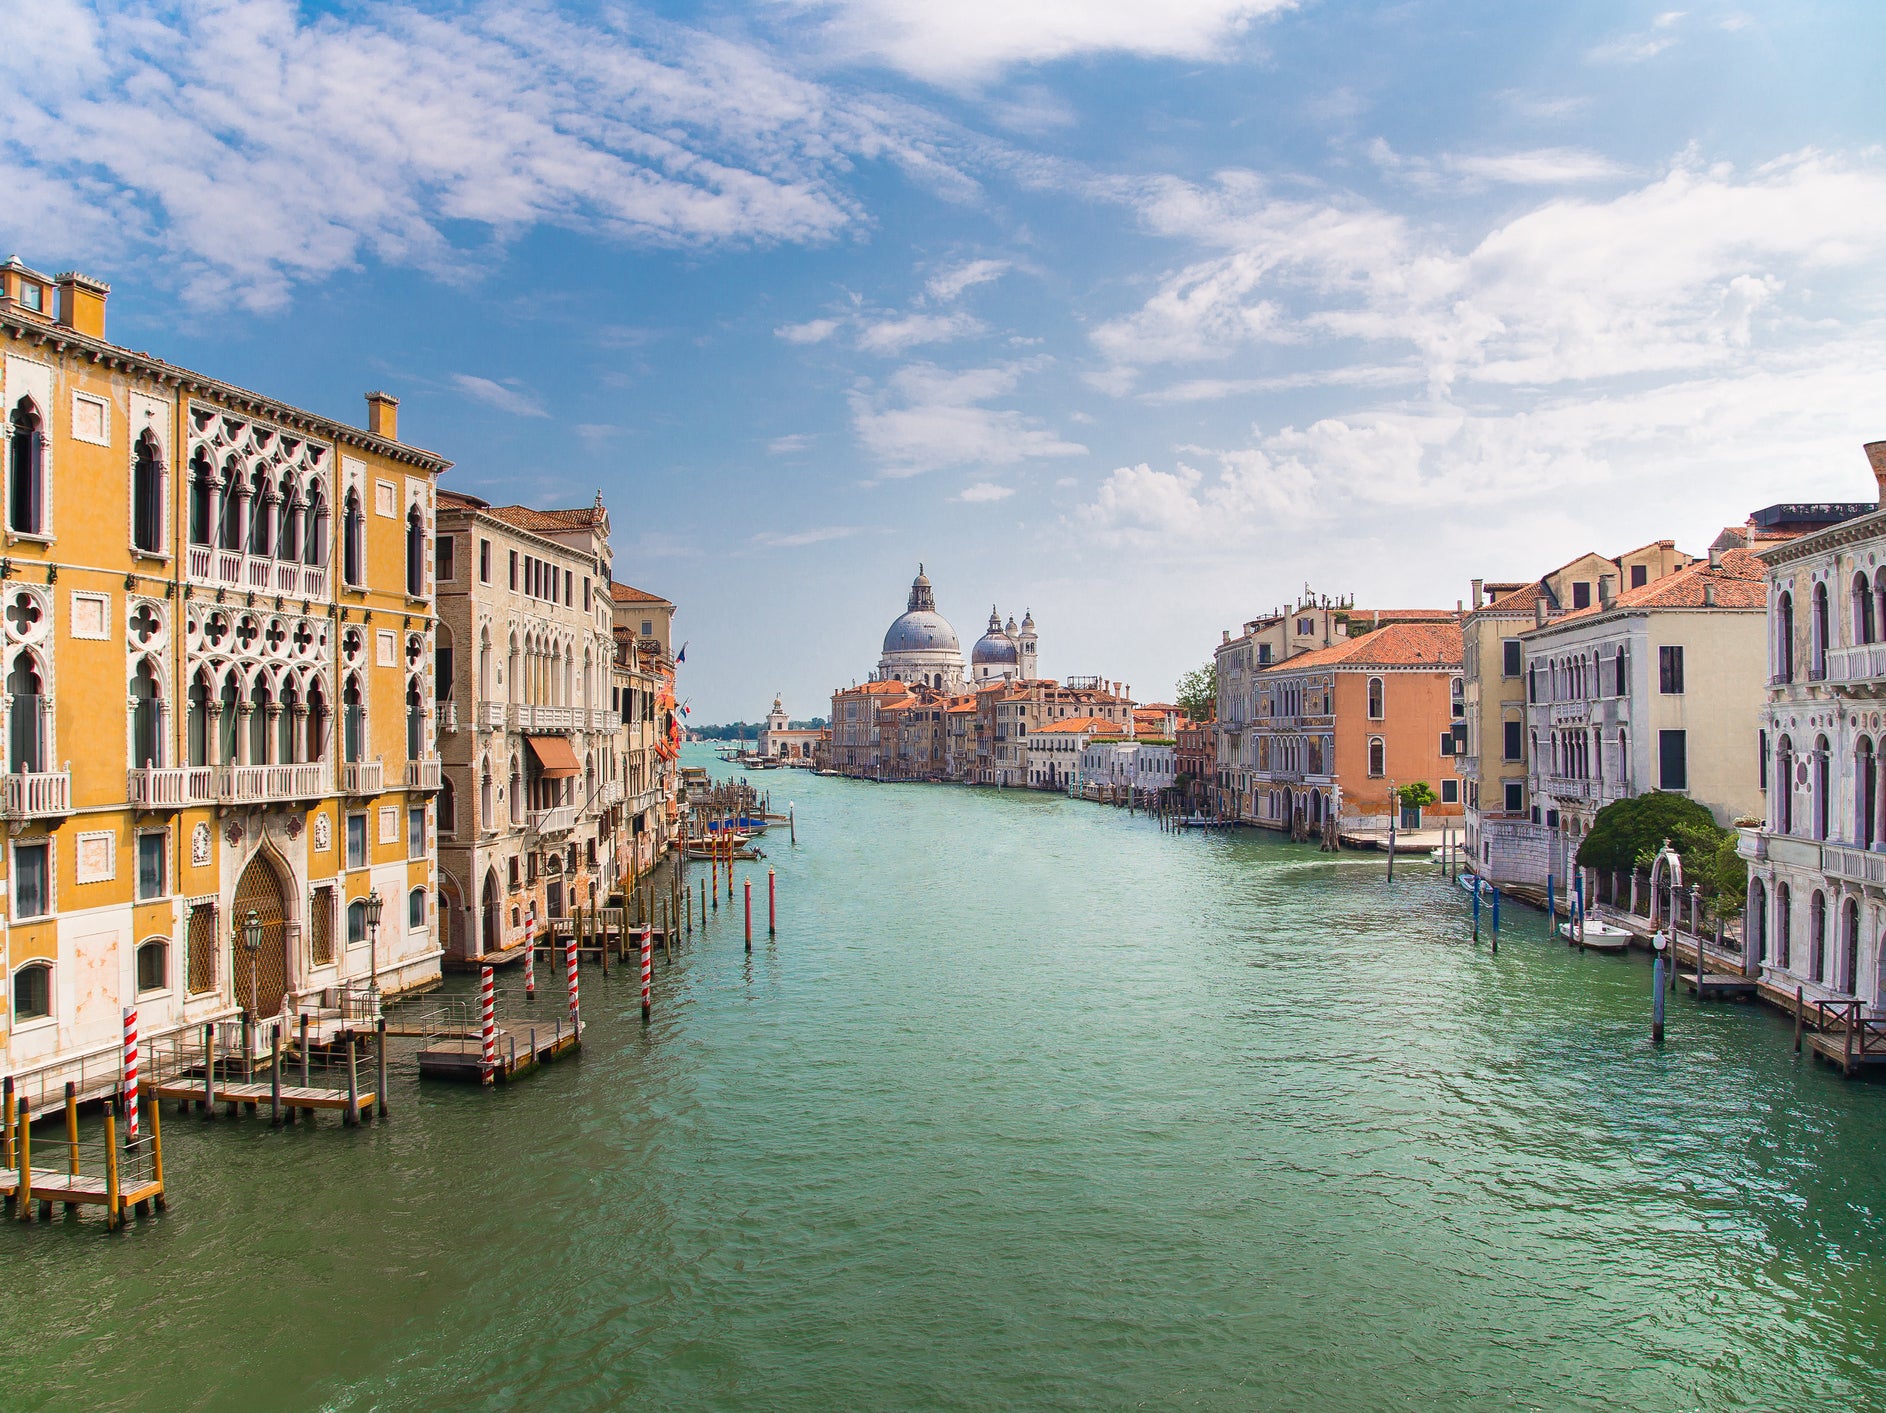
column 261, row 982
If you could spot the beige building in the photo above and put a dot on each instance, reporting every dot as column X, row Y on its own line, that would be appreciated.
column 1656, row 688
column 524, row 681
column 642, row 795
column 1492, row 733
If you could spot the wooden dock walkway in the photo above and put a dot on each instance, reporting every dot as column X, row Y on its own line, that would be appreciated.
column 256, row 1096
column 50, row 1185
column 520, row 1047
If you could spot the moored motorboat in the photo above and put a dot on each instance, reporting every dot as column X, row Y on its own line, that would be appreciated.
column 1596, row 936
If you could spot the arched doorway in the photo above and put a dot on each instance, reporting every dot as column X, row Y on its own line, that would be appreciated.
column 491, row 921
column 451, row 916
column 262, row 977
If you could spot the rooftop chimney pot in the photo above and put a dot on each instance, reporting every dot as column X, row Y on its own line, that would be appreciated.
column 82, row 303
column 1607, row 590
column 1478, row 586
column 1876, row 457
column 383, row 415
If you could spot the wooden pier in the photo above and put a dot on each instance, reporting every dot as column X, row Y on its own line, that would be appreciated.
column 253, row 1097
column 520, row 1047
column 98, row 1171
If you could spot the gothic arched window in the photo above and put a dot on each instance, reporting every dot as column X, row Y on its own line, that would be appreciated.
column 147, row 496
column 26, row 470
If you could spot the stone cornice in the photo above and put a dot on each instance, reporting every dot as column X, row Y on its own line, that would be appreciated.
column 1848, row 532
column 61, row 339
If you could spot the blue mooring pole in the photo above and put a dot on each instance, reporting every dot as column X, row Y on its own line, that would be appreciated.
column 1496, row 920
column 1656, row 994
column 1578, row 892
column 1476, row 910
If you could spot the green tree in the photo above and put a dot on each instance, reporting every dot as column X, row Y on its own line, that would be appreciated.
column 1198, row 693
column 1417, row 796
column 1627, row 834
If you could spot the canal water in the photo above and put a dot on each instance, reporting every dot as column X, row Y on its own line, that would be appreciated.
column 1029, row 1105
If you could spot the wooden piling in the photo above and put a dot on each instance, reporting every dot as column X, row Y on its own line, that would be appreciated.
column 157, row 1153
column 353, row 1084
column 749, row 891
column 6, row 1122
column 772, row 903
column 275, row 1080
column 1800, row 1007
column 114, row 1211
column 209, row 1070
column 304, row 1049
column 23, row 1189
column 379, row 1057
column 1656, row 1001
column 72, row 1135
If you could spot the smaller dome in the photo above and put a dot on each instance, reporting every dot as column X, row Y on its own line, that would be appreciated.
column 995, row 648
column 1028, row 621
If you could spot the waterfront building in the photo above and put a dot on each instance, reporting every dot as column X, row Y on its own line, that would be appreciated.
column 1195, row 756
column 1155, row 766
column 1054, row 749
column 858, row 745
column 1334, row 729
column 1654, row 688
column 525, row 833
column 218, row 641
column 1106, row 768
column 781, row 740
column 1816, row 904
column 1310, row 623
column 1157, row 719
column 1491, row 733
column 1008, row 711
column 643, row 816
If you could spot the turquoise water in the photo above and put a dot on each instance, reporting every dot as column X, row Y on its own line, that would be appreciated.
column 1029, row 1106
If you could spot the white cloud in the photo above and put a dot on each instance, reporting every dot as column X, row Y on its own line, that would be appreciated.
column 811, row 331
column 508, row 396
column 795, row 539
column 951, row 283
column 1645, row 44
column 790, row 444
column 1543, row 166
column 927, row 418
column 250, row 147
column 893, row 335
column 983, row 492
column 967, row 41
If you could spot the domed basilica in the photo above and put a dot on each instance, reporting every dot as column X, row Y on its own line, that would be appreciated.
column 921, row 648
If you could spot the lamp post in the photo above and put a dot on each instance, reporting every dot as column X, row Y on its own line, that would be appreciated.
column 252, row 944
column 374, row 905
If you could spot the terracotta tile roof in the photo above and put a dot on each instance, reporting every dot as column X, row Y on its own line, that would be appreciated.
column 625, row 593
column 529, row 518
column 1076, row 724
column 461, row 501
column 1740, row 582
column 1402, row 615
column 1435, row 645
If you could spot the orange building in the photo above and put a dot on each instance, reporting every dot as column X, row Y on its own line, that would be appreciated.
column 1337, row 728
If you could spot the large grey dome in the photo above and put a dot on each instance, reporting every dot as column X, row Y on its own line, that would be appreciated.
column 921, row 630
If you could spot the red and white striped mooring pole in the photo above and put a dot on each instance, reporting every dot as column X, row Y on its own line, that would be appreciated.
column 530, row 952
column 648, row 967
column 569, row 954
column 130, row 1074
column 488, row 1015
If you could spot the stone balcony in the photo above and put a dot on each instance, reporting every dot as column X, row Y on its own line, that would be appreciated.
column 170, row 787
column 232, row 569
column 546, row 719
column 543, row 823
column 363, row 777
column 424, row 773
column 447, row 713
column 37, row 794
column 492, row 715
column 269, row 784
column 1850, row 864
column 1861, row 667
column 1570, row 713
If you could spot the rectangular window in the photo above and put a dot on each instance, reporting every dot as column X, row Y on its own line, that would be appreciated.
column 152, row 855
column 356, row 841
column 1640, row 575
column 1761, row 757
column 648, row 627
column 484, row 561
column 1509, row 657
column 321, row 928
column 513, row 873
column 513, row 571
column 416, row 832
column 569, row 589
column 1672, row 761
column 445, row 560
column 1450, row 792
column 1581, row 595
column 586, row 593
column 1447, row 743
column 1515, row 797
column 1670, row 671
column 1460, row 738
column 1511, row 746
column 32, row 880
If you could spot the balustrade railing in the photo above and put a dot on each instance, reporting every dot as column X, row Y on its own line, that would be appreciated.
column 1863, row 662
column 253, row 784
column 40, row 794
column 170, row 787
column 560, row 820
column 424, row 773
column 362, row 777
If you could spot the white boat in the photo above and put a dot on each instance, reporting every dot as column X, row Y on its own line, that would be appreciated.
column 1470, row 882
column 1596, row 936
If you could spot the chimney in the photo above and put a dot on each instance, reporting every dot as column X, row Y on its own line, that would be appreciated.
column 82, row 303
column 1607, row 590
column 1876, row 456
column 1224, row 635
column 1715, row 556
column 383, row 415
column 1709, row 594
column 1539, row 612
column 1478, row 586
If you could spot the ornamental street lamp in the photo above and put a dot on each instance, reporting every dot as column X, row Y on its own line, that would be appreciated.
column 252, row 944
column 375, row 903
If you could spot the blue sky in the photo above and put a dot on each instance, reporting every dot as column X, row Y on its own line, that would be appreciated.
column 1140, row 316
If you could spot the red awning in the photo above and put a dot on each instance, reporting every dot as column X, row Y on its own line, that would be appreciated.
column 555, row 756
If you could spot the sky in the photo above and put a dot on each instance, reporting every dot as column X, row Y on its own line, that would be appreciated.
column 1138, row 316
